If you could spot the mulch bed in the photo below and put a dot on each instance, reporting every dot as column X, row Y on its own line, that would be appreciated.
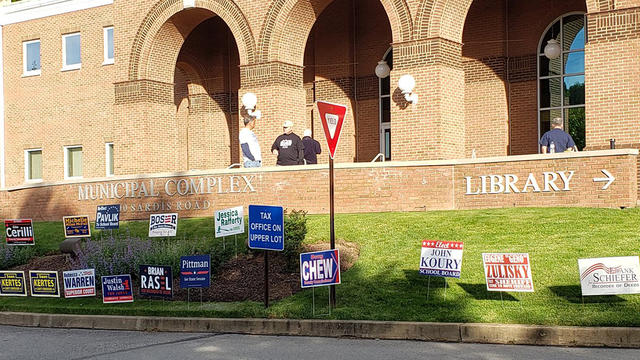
column 239, row 279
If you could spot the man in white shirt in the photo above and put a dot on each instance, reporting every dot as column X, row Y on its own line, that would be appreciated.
column 251, row 155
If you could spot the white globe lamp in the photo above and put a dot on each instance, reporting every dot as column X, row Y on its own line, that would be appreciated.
column 407, row 83
column 382, row 69
column 552, row 49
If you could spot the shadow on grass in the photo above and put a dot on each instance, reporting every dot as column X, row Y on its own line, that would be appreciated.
column 479, row 292
column 573, row 294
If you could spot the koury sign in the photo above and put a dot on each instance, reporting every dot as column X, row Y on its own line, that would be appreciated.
column 510, row 183
column 441, row 258
column 172, row 187
column 610, row 276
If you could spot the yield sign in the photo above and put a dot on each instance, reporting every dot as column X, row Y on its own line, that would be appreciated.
column 332, row 116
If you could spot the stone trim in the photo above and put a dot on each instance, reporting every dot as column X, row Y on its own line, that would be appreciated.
column 428, row 52
column 137, row 91
column 614, row 25
column 271, row 73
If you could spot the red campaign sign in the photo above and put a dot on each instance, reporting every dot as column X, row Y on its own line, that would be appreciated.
column 507, row 272
column 332, row 116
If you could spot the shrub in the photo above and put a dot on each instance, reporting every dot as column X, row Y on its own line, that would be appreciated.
column 15, row 255
column 295, row 231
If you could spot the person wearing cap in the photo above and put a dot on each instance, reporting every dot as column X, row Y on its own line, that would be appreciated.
column 251, row 155
column 288, row 147
column 311, row 148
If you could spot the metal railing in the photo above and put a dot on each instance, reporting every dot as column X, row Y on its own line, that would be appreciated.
column 380, row 155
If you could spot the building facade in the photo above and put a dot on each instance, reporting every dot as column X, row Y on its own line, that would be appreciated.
column 100, row 88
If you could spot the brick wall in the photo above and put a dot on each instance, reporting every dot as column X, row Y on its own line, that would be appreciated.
column 392, row 186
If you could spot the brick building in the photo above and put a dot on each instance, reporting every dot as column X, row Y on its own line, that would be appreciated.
column 100, row 88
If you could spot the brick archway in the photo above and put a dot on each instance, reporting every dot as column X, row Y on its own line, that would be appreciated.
column 165, row 28
column 288, row 22
column 446, row 18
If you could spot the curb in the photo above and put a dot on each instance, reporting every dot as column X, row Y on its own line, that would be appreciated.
column 627, row 337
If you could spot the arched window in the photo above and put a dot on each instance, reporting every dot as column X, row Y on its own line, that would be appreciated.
column 385, row 109
column 561, row 80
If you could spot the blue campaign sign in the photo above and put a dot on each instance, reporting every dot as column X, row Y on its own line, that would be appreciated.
column 266, row 227
column 108, row 217
column 195, row 271
column 320, row 268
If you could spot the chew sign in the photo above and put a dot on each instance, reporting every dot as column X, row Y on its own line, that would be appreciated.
column 332, row 116
column 441, row 258
column 266, row 227
column 320, row 268
column 507, row 272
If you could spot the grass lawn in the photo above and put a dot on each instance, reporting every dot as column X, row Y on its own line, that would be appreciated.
column 385, row 285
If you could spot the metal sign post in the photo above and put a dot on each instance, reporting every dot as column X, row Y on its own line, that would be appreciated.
column 332, row 288
column 266, row 232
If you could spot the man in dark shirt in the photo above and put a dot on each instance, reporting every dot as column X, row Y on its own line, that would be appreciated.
column 288, row 147
column 311, row 148
column 556, row 140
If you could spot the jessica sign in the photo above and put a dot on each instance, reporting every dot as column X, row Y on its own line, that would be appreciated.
column 507, row 272
column 609, row 276
column 320, row 268
column 441, row 258
column 229, row 221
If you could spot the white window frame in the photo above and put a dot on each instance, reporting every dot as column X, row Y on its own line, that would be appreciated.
column 66, row 67
column 66, row 161
column 25, row 71
column 106, row 157
column 27, row 164
column 107, row 60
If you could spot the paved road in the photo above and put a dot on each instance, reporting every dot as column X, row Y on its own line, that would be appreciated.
column 40, row 343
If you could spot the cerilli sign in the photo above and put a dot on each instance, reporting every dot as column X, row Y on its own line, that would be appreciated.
column 155, row 192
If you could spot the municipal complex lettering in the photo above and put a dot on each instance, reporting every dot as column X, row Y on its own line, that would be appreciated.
column 509, row 183
column 172, row 187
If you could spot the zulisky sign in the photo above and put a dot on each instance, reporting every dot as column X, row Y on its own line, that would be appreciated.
column 332, row 117
column 320, row 268
column 441, row 258
column 610, row 275
column 507, row 272
column 19, row 232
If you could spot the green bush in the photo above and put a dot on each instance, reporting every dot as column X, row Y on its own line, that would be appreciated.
column 15, row 255
column 295, row 231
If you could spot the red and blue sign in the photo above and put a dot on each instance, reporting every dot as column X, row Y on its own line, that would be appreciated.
column 108, row 217
column 266, row 227
column 320, row 268
column 117, row 289
column 195, row 271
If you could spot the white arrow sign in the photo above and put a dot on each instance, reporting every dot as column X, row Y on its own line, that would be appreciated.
column 609, row 179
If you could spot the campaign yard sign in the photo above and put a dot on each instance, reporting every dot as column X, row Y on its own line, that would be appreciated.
column 79, row 283
column 195, row 271
column 610, row 275
column 163, row 225
column 229, row 221
column 441, row 258
column 44, row 283
column 116, row 289
column 19, row 232
column 76, row 226
column 156, row 281
column 507, row 272
column 266, row 227
column 12, row 283
column 108, row 217
column 320, row 268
